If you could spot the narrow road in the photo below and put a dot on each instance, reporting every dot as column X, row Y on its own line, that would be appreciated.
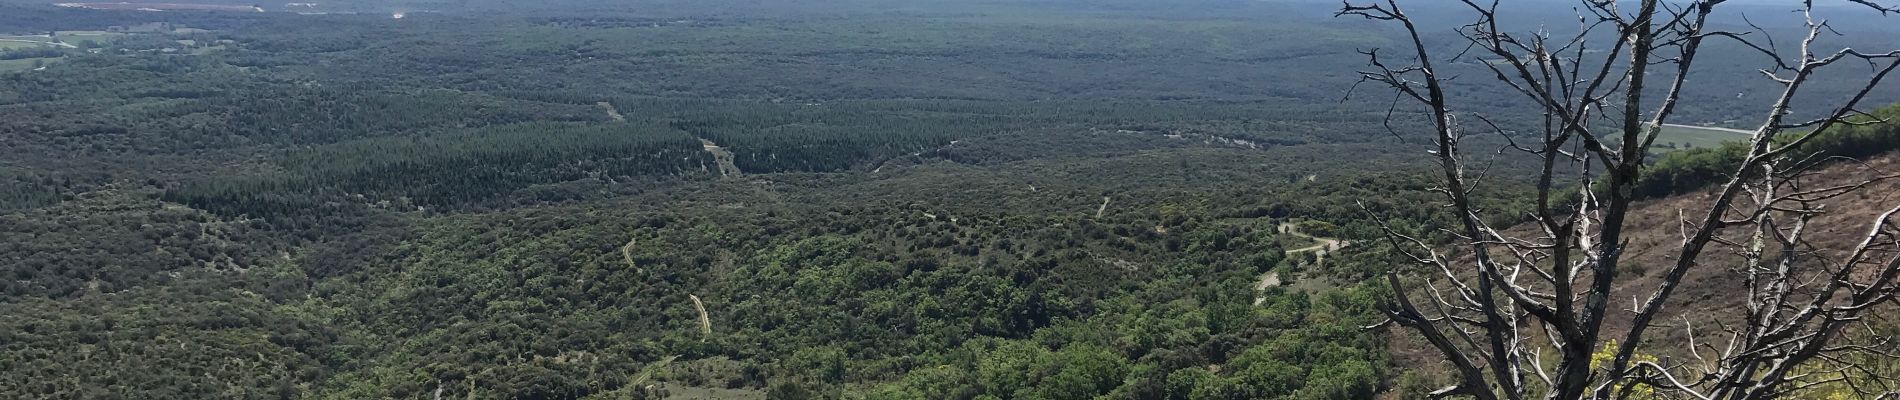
column 1320, row 250
column 722, row 157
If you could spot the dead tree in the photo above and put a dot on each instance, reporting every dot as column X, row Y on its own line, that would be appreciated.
column 1520, row 315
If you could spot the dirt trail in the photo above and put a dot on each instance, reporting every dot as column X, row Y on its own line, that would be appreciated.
column 626, row 252
column 1320, row 250
column 612, row 112
column 723, row 158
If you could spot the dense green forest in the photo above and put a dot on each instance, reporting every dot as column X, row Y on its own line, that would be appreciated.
column 1036, row 199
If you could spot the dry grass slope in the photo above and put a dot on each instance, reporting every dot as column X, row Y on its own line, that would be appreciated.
column 1709, row 293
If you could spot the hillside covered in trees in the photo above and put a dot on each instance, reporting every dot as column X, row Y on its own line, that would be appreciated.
column 882, row 200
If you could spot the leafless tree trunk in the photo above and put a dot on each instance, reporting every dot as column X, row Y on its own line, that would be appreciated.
column 1522, row 314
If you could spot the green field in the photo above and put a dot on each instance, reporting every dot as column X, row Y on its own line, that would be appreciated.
column 72, row 38
column 10, row 43
column 1679, row 137
column 22, row 65
column 20, row 42
column 75, row 37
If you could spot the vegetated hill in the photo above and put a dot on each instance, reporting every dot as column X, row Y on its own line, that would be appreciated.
column 354, row 206
column 1712, row 293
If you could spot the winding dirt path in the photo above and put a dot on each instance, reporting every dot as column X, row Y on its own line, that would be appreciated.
column 1319, row 250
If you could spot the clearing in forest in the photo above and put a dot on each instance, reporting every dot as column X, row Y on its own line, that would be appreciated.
column 23, row 42
column 721, row 157
column 612, row 112
column 1321, row 247
column 1683, row 137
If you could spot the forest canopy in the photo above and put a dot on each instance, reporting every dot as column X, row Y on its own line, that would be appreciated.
column 1048, row 199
